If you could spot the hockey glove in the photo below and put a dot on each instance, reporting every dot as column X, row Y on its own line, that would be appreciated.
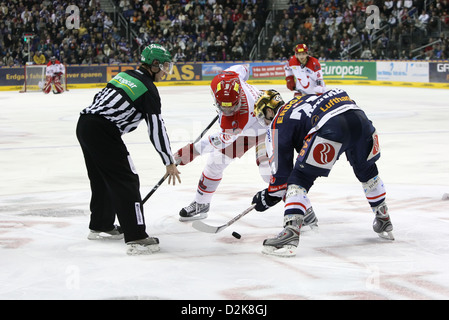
column 186, row 154
column 299, row 93
column 264, row 201
column 291, row 82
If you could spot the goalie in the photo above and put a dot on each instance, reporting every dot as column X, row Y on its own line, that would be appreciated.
column 55, row 70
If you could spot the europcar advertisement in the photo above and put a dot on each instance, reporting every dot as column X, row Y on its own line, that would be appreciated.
column 349, row 70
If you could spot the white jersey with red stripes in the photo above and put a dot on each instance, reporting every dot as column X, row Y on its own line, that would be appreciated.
column 54, row 68
column 308, row 77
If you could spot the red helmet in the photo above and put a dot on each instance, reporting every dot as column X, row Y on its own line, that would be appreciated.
column 226, row 91
column 301, row 48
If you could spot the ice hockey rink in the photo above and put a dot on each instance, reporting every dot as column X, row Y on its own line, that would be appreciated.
column 44, row 214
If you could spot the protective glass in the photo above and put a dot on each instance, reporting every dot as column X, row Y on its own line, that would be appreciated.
column 166, row 67
column 227, row 108
column 260, row 116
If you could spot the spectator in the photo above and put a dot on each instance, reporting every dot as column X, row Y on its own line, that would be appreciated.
column 366, row 54
column 237, row 51
column 39, row 58
column 179, row 56
column 277, row 39
column 438, row 51
column 392, row 20
column 200, row 55
column 423, row 19
column 108, row 23
column 107, row 52
column 146, row 7
column 223, row 55
column 352, row 31
column 8, row 60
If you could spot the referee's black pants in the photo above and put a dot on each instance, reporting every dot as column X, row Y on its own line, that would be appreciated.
column 114, row 183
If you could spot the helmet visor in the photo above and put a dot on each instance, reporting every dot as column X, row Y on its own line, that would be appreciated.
column 228, row 108
column 262, row 119
column 166, row 67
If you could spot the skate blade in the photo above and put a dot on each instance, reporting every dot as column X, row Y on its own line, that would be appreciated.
column 104, row 236
column 138, row 249
column 386, row 235
column 285, row 252
column 197, row 217
column 314, row 227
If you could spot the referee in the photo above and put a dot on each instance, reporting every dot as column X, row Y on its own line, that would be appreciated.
column 127, row 99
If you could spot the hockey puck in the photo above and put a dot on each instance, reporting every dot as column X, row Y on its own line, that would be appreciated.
column 236, row 235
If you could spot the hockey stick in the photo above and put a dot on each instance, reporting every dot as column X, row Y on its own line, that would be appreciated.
column 166, row 176
column 203, row 227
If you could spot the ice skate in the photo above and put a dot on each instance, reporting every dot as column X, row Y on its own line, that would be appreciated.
column 286, row 242
column 114, row 234
column 142, row 247
column 382, row 224
column 194, row 211
column 310, row 219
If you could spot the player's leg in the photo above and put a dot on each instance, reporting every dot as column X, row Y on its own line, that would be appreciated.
column 298, row 210
column 211, row 177
column 262, row 160
column 316, row 159
column 58, row 85
column 362, row 156
column 244, row 143
column 47, row 85
column 208, row 183
column 285, row 243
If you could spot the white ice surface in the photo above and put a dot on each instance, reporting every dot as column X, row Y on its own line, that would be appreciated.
column 44, row 197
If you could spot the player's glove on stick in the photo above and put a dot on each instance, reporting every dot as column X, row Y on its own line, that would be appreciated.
column 263, row 200
column 291, row 82
column 299, row 93
column 186, row 154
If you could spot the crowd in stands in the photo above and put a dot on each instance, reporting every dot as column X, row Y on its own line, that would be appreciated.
column 336, row 29
column 219, row 30
column 197, row 30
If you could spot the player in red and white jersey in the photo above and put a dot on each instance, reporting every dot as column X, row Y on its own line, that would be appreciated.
column 239, row 131
column 55, row 70
column 303, row 73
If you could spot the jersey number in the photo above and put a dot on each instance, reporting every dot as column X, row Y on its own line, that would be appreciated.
column 306, row 107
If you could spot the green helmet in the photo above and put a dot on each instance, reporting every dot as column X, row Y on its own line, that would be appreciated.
column 155, row 54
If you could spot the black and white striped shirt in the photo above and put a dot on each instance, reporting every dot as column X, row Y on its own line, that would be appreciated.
column 113, row 104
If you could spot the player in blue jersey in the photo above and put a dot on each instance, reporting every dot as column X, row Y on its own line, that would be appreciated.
column 319, row 129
